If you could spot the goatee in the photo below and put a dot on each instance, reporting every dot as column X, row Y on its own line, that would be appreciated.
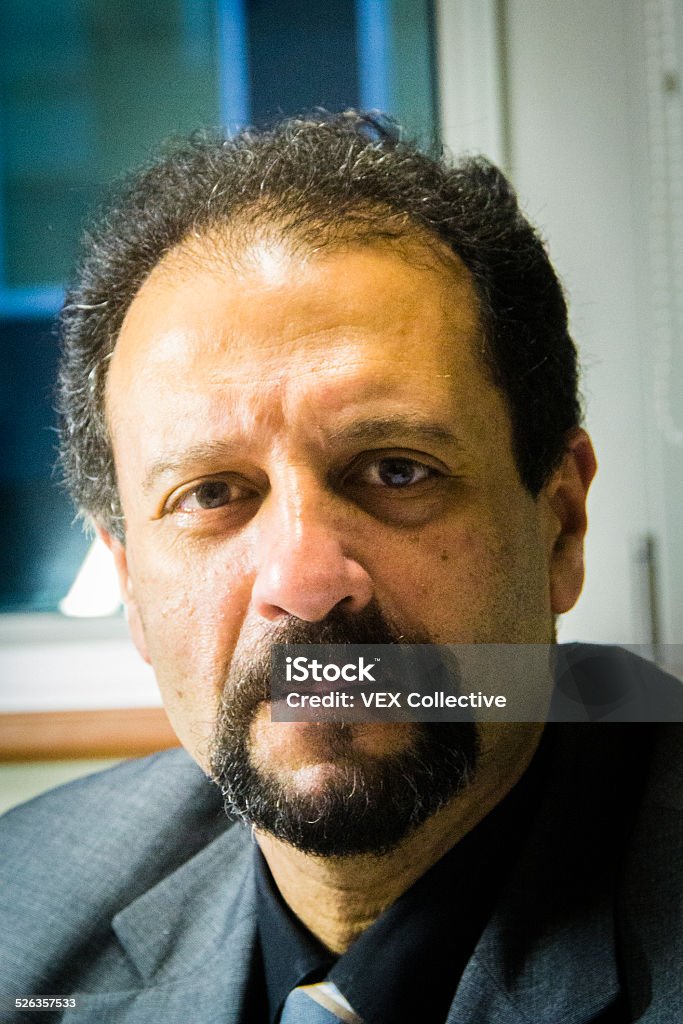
column 370, row 802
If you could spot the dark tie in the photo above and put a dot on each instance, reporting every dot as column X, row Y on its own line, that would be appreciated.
column 318, row 1004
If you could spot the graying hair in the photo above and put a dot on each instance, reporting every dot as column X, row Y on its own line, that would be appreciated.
column 316, row 180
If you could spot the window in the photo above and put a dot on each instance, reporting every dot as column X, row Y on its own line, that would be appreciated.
column 88, row 88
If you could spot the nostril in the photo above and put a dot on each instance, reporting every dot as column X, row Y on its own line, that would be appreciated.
column 350, row 603
column 311, row 592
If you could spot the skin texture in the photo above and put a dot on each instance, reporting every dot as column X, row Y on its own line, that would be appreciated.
column 290, row 379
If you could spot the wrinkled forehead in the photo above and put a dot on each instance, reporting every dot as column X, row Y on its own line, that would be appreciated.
column 272, row 304
column 281, row 358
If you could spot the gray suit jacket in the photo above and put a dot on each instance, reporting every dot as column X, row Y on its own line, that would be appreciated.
column 131, row 889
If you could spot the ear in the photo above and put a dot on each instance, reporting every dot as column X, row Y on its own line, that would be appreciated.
column 565, row 495
column 118, row 550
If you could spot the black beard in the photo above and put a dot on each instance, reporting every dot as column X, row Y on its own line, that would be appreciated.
column 372, row 803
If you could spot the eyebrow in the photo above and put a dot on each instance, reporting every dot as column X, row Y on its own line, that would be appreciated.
column 372, row 431
column 173, row 463
column 380, row 428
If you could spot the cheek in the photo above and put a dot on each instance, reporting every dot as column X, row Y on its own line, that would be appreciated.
column 191, row 615
column 473, row 582
column 434, row 577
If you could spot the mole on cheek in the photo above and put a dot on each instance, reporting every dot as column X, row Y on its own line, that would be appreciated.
column 444, row 556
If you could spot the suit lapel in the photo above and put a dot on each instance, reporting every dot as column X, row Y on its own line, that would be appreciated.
column 191, row 939
column 548, row 952
column 568, row 977
column 651, row 909
column 170, row 930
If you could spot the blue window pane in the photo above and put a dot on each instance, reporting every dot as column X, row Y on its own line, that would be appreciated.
column 87, row 90
column 41, row 549
column 302, row 54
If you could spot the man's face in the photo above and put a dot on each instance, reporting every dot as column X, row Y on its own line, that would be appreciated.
column 295, row 438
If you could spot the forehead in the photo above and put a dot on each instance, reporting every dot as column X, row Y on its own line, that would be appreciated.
column 280, row 359
column 283, row 350
column 278, row 309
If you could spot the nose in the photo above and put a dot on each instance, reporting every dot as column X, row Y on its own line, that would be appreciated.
column 303, row 566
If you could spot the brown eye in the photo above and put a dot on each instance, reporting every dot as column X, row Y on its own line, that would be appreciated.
column 213, row 494
column 209, row 495
column 396, row 472
column 398, row 488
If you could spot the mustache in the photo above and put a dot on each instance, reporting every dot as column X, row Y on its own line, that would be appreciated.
column 248, row 678
column 369, row 626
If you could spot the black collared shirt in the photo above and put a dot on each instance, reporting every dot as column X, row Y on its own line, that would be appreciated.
column 408, row 964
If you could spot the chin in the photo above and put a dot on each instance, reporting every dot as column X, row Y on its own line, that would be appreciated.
column 339, row 789
column 301, row 747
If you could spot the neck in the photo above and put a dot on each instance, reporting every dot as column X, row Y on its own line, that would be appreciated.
column 337, row 898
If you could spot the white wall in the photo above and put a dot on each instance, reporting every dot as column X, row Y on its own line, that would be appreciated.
column 572, row 94
column 571, row 152
column 52, row 663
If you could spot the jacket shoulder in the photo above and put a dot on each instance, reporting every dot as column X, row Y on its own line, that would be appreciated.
column 131, row 802
column 78, row 856
column 606, row 683
column 84, row 850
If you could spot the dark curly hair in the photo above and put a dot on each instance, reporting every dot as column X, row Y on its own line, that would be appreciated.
column 319, row 181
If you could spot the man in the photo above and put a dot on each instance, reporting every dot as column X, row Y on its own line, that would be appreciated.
column 318, row 388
